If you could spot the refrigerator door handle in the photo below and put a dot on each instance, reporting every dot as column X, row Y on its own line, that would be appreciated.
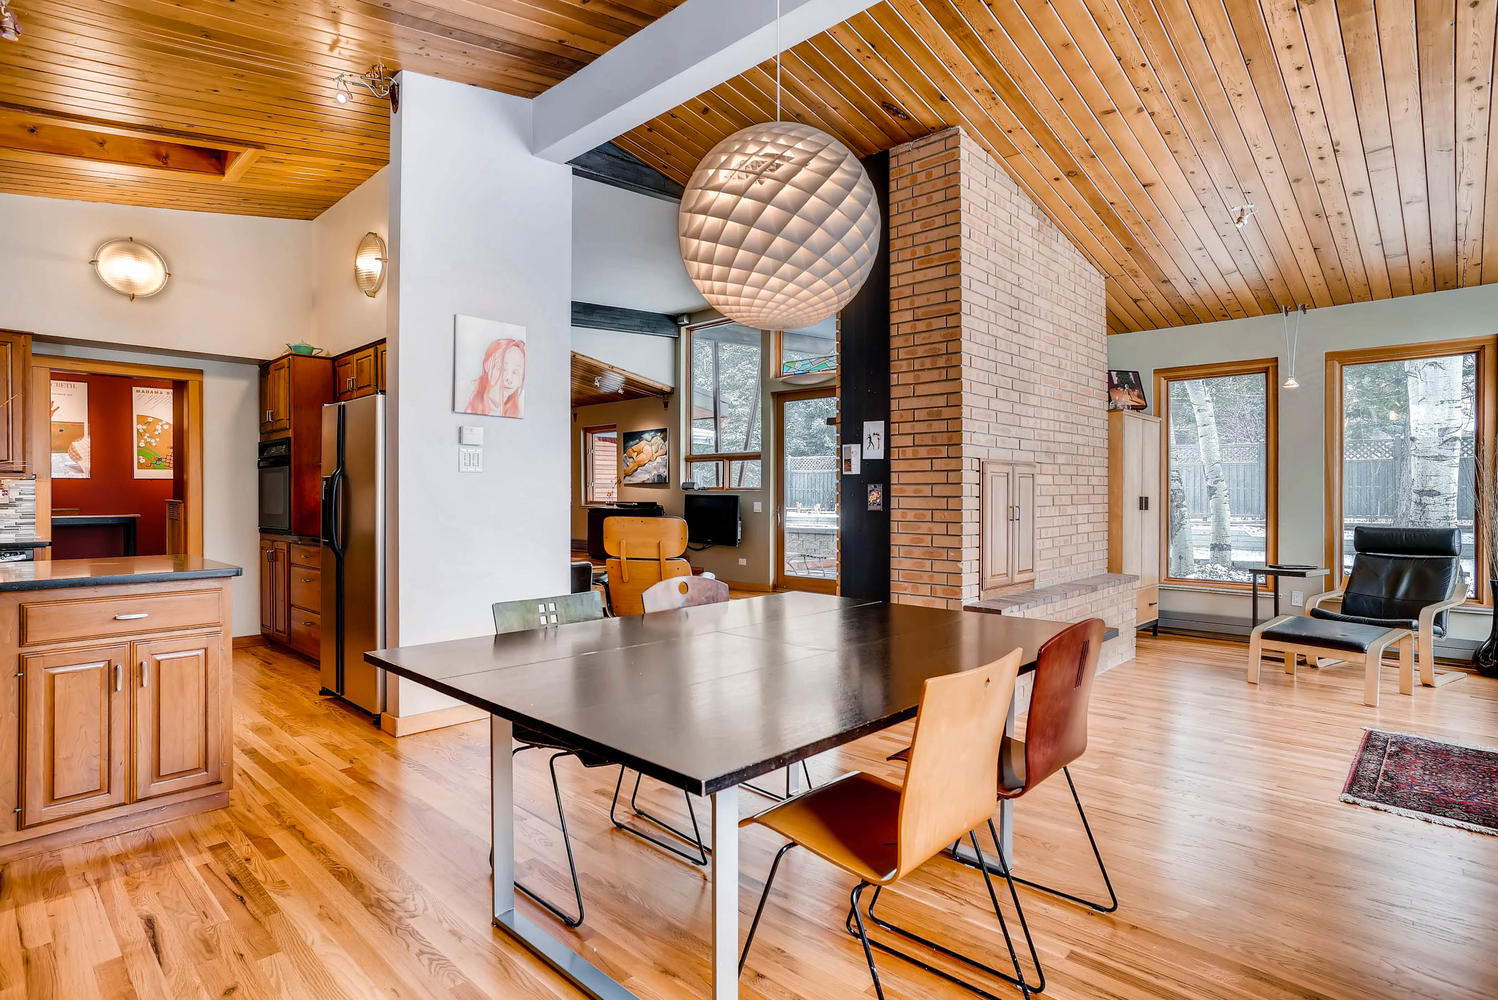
column 332, row 497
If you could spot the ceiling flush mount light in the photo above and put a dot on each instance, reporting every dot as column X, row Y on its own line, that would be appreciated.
column 375, row 80
column 610, row 382
column 10, row 25
column 779, row 224
column 1242, row 214
column 1292, row 343
column 130, row 268
column 369, row 264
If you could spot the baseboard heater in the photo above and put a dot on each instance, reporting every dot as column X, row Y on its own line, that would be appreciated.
column 1209, row 626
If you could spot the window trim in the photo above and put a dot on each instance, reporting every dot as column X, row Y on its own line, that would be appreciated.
column 1269, row 368
column 588, row 480
column 1486, row 349
column 724, row 459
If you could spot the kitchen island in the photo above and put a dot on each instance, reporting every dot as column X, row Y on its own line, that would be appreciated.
column 115, row 700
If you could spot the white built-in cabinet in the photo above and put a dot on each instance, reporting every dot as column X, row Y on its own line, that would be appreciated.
column 1134, row 506
column 1008, row 513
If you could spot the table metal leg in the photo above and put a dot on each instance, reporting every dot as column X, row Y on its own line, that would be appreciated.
column 1273, row 582
column 569, row 963
column 726, row 894
column 1253, row 607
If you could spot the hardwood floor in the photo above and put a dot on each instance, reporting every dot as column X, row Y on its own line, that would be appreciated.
column 352, row 865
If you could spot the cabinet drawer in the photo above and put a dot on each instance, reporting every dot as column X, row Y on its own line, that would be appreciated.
column 306, row 555
column 306, row 589
column 1146, row 604
column 90, row 618
column 306, row 632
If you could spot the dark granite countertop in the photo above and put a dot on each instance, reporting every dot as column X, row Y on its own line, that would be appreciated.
column 24, row 542
column 52, row 574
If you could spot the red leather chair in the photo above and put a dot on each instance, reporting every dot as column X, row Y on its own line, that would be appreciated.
column 1055, row 735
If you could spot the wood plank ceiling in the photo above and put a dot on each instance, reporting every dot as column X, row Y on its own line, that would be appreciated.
column 258, row 74
column 1361, row 130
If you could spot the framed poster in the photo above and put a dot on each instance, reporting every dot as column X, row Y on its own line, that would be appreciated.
column 647, row 459
column 71, row 456
column 1125, row 390
column 152, row 413
column 488, row 367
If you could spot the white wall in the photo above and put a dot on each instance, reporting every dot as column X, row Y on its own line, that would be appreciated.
column 231, row 437
column 342, row 316
column 240, row 286
column 482, row 228
column 1466, row 312
column 625, row 251
column 641, row 353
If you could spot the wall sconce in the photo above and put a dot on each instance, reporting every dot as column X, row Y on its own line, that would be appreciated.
column 130, row 268
column 369, row 264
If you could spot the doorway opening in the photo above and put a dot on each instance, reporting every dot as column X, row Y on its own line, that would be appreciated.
column 806, row 514
column 117, row 449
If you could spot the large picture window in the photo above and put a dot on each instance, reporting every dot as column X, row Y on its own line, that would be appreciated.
column 726, row 423
column 1219, row 430
column 1405, row 427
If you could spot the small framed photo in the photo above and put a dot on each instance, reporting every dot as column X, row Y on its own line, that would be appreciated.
column 1125, row 390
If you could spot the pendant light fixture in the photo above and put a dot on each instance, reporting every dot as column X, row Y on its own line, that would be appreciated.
column 1292, row 343
column 779, row 224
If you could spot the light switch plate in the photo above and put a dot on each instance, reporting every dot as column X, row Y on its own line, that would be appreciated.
column 743, row 562
column 759, row 507
column 470, row 459
column 470, row 435
column 1297, row 598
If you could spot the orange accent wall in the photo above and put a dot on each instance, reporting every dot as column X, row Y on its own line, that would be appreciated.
column 112, row 488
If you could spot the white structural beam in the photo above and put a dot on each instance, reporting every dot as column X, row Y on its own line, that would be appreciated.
column 689, row 51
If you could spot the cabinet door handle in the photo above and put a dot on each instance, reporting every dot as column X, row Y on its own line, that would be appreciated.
column 119, row 677
column 137, row 616
column 306, row 579
column 145, row 674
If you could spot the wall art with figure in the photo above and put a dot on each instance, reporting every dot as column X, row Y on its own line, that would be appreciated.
column 488, row 367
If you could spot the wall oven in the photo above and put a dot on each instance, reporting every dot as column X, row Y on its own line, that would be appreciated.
column 275, row 485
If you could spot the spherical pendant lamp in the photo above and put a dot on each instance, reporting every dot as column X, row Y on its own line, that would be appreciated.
column 779, row 226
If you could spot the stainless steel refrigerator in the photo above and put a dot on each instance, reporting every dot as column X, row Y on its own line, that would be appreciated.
column 353, row 549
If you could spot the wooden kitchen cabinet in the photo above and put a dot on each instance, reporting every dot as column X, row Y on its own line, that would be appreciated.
column 305, row 600
column 275, row 588
column 359, row 372
column 15, row 364
column 101, row 735
column 1134, row 507
column 1007, row 556
column 176, row 700
column 74, row 750
column 275, row 396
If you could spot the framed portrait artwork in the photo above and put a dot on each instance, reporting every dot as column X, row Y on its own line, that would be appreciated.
column 488, row 367
column 1125, row 390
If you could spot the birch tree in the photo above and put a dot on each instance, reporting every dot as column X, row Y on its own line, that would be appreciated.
column 1436, row 425
column 1182, row 558
column 1220, row 548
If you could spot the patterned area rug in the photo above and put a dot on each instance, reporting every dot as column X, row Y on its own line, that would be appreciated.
column 1444, row 783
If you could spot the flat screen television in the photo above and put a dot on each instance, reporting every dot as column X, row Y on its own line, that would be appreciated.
column 713, row 518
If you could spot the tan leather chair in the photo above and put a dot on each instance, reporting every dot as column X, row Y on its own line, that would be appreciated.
column 1055, row 736
column 642, row 552
column 880, row 832
column 684, row 592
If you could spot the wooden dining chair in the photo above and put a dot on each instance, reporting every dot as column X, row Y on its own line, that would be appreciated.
column 642, row 552
column 1055, row 736
column 683, row 592
column 880, row 832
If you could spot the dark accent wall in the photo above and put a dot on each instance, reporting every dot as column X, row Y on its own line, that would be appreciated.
column 863, row 363
column 112, row 488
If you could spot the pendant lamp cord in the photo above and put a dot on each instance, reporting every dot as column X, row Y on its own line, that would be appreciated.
column 777, row 60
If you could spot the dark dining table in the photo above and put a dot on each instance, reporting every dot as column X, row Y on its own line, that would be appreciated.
column 704, row 699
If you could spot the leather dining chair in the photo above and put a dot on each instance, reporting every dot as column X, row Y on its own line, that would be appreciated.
column 683, row 592
column 642, row 552
column 1055, row 736
column 880, row 832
